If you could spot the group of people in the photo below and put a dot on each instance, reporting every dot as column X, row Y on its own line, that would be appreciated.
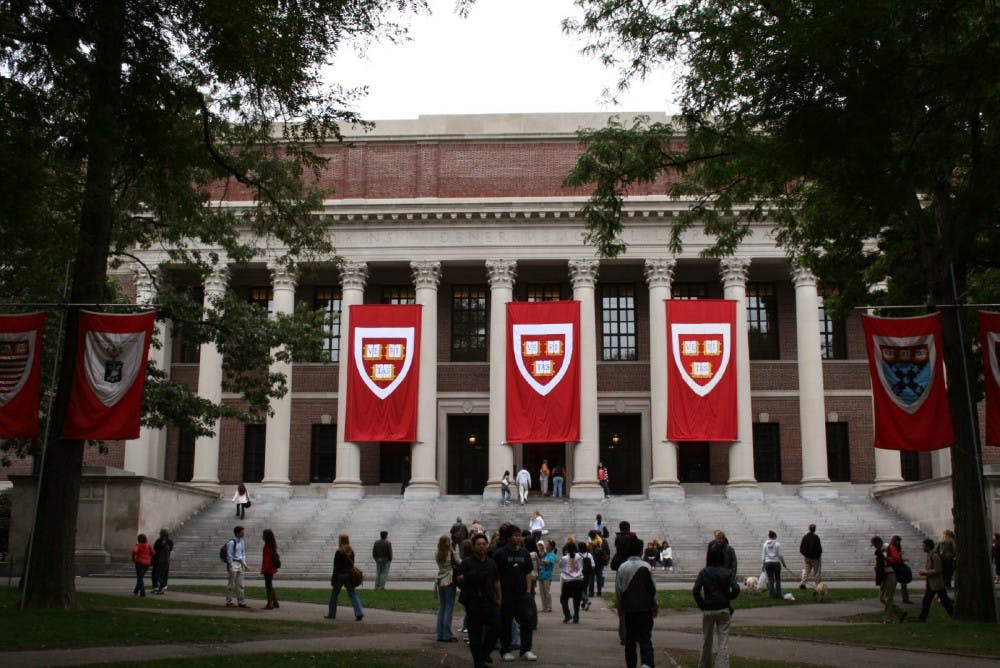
column 892, row 570
column 557, row 474
column 659, row 555
column 155, row 557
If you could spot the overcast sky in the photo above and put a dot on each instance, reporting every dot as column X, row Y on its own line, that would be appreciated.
column 508, row 56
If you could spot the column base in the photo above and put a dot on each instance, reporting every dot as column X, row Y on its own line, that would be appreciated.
column 348, row 489
column 883, row 485
column 586, row 490
column 207, row 485
column 422, row 489
column 745, row 490
column 276, row 489
column 817, row 489
column 666, row 491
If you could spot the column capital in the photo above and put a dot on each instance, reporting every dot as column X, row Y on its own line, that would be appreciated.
column 734, row 271
column 583, row 272
column 803, row 277
column 217, row 280
column 426, row 274
column 354, row 275
column 660, row 272
column 501, row 273
column 283, row 275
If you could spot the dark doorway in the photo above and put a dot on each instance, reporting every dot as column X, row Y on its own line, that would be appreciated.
column 253, row 452
column 621, row 452
column 693, row 462
column 468, row 453
column 767, row 452
column 838, row 452
column 185, row 456
column 532, row 455
column 390, row 461
column 323, row 453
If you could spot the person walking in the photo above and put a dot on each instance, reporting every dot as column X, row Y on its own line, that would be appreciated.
column 558, row 480
column 142, row 557
column 602, row 478
column 241, row 497
column 516, row 574
column 236, row 565
column 904, row 590
column 505, row 489
column 543, row 477
column 946, row 548
column 587, row 562
column 599, row 551
column 161, row 561
column 635, row 599
column 728, row 553
column 933, row 570
column 537, row 526
column 772, row 559
column 479, row 580
column 547, row 559
column 458, row 533
column 404, row 474
column 343, row 578
column 713, row 590
column 523, row 484
column 887, row 557
column 382, row 554
column 811, row 550
column 445, row 587
column 571, row 581
column 270, row 562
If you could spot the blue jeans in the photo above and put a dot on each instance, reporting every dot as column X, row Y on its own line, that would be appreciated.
column 605, row 487
column 446, row 606
column 140, row 575
column 504, row 495
column 344, row 580
column 557, row 486
column 773, row 570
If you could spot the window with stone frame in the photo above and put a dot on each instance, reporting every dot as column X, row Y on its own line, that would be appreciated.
column 544, row 292
column 469, row 323
column 262, row 296
column 399, row 294
column 832, row 335
column 767, row 452
column 330, row 301
column 762, row 321
column 618, row 323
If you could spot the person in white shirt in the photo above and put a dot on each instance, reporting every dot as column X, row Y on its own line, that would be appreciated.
column 537, row 526
column 236, row 564
column 523, row 484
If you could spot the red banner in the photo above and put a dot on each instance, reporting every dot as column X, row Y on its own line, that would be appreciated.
column 911, row 407
column 20, row 374
column 701, row 370
column 105, row 401
column 543, row 372
column 989, row 331
column 383, row 364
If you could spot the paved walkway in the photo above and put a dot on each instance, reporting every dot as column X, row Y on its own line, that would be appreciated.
column 593, row 642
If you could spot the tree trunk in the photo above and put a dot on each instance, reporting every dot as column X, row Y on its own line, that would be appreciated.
column 51, row 568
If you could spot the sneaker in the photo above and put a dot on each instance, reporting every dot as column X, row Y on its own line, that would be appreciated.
column 163, row 589
column 529, row 656
column 463, row 630
column 507, row 656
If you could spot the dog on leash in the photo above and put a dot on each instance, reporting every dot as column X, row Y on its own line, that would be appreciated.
column 819, row 592
column 750, row 584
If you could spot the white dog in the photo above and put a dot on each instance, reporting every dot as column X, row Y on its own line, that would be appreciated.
column 750, row 583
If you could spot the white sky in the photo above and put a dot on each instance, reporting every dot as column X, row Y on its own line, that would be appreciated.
column 508, row 56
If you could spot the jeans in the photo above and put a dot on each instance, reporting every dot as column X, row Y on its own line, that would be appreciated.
column 929, row 595
column 719, row 620
column 381, row 572
column 140, row 579
column 545, row 594
column 638, row 631
column 484, row 629
column 241, row 511
column 557, row 486
column 599, row 578
column 571, row 589
column 446, row 606
column 606, row 487
column 504, row 495
column 521, row 610
column 161, row 570
column 344, row 580
column 588, row 586
column 543, row 484
column 773, row 570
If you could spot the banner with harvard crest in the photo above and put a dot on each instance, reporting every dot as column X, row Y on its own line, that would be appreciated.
column 989, row 332
column 105, row 401
column 20, row 373
column 543, row 372
column 383, row 362
column 701, row 370
column 911, row 407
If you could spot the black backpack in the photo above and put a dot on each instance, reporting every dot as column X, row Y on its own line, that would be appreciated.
column 224, row 551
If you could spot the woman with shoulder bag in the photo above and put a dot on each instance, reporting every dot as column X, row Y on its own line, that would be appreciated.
column 269, row 564
column 445, row 586
column 241, row 497
column 343, row 577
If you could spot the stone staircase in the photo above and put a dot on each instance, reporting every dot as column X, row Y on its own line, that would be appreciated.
column 307, row 528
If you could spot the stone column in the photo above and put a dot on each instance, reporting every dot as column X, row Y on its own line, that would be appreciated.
column 353, row 276
column 812, row 411
column 277, row 435
column 941, row 463
column 664, row 485
column 742, row 483
column 423, row 478
column 501, row 275
column 586, row 453
column 146, row 455
column 206, row 448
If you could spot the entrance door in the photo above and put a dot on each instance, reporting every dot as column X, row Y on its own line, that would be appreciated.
column 693, row 462
column 532, row 455
column 468, row 453
column 621, row 452
column 391, row 462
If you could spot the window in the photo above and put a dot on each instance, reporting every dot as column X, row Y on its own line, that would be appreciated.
column 330, row 301
column 910, row 462
column 832, row 336
column 185, row 456
column 188, row 349
column 323, row 454
column 399, row 294
column 618, row 323
column 766, row 452
column 253, row 452
column 544, row 292
column 689, row 291
column 263, row 297
column 762, row 321
column 468, row 323
column 838, row 452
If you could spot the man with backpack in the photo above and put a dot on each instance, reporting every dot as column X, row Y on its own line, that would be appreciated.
column 635, row 598
column 236, row 564
column 713, row 591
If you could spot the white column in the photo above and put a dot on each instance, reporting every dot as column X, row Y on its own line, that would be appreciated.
column 423, row 478
column 277, row 435
column 812, row 411
column 586, row 453
column 146, row 455
column 353, row 276
column 501, row 274
column 742, row 483
column 941, row 463
column 664, row 485
column 206, row 448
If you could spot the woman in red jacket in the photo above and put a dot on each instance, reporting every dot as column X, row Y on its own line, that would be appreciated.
column 142, row 557
column 269, row 566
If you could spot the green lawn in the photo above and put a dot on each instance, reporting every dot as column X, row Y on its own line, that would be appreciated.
column 403, row 600
column 303, row 659
column 681, row 599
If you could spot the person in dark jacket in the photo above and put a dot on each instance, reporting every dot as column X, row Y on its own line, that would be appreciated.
column 382, row 554
column 713, row 591
column 728, row 553
column 622, row 541
column 635, row 598
column 161, row 561
column 343, row 578
column 811, row 550
column 933, row 570
column 479, row 580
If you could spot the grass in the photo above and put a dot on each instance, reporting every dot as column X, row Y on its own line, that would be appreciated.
column 303, row 659
column 401, row 600
column 681, row 599
column 688, row 658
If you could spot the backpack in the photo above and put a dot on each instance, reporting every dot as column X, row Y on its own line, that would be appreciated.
column 224, row 551
column 604, row 531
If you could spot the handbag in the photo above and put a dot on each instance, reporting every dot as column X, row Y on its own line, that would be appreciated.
column 247, row 504
column 357, row 577
column 904, row 574
column 277, row 560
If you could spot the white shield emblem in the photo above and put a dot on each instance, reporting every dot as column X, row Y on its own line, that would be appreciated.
column 17, row 352
column 701, row 353
column 905, row 366
column 112, row 363
column 383, row 356
column 543, row 354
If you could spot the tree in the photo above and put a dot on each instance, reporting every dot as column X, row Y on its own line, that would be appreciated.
column 866, row 133
column 120, row 119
